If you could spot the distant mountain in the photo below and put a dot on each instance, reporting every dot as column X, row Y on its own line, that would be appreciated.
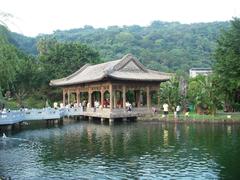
column 24, row 43
column 167, row 46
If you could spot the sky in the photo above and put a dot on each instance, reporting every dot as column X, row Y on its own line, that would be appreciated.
column 33, row 17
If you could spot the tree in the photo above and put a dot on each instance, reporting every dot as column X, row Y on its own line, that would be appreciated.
column 227, row 65
column 62, row 59
column 202, row 92
column 28, row 78
column 171, row 45
column 8, row 60
column 169, row 93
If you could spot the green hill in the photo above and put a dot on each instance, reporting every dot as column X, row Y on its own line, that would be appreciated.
column 166, row 46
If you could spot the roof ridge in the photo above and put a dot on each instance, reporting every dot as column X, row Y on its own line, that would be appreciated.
column 126, row 59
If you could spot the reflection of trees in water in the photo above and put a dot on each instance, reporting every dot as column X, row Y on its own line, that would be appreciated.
column 218, row 145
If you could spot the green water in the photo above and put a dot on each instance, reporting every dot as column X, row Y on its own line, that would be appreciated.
column 140, row 150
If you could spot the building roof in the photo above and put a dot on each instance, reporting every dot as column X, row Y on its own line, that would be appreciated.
column 201, row 69
column 126, row 68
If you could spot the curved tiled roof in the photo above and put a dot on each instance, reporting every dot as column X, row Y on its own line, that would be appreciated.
column 127, row 68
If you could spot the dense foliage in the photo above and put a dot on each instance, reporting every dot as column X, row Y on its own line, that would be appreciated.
column 62, row 59
column 24, row 43
column 201, row 94
column 25, row 79
column 227, row 65
column 161, row 46
column 220, row 90
column 170, row 94
column 19, row 73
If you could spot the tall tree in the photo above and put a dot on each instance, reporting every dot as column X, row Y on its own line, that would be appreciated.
column 8, row 60
column 61, row 59
column 28, row 78
column 227, row 65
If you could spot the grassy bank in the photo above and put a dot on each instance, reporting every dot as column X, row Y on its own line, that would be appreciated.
column 193, row 117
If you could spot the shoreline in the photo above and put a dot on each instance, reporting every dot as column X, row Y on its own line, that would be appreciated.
column 187, row 120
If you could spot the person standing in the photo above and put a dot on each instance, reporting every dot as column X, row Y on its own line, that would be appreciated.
column 55, row 105
column 178, row 109
column 165, row 109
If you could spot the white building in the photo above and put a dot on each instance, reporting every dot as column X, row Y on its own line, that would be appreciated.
column 193, row 72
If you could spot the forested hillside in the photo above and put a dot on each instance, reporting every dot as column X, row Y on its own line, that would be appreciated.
column 24, row 43
column 28, row 64
column 162, row 45
column 24, row 79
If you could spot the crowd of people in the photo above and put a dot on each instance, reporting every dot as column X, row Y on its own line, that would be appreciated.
column 177, row 110
column 106, row 104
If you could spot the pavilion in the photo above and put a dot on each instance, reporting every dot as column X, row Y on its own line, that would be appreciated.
column 115, row 85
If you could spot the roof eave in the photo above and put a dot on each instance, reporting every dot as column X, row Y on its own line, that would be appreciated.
column 75, row 83
column 149, row 80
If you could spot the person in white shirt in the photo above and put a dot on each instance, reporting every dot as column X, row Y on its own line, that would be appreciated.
column 165, row 109
column 178, row 109
column 55, row 105
column 61, row 105
column 128, row 106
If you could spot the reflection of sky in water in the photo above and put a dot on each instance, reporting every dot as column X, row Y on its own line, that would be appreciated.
column 136, row 150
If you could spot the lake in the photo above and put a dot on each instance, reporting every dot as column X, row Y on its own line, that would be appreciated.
column 137, row 150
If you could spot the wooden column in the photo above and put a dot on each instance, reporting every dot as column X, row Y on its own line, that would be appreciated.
column 111, row 96
column 64, row 98
column 124, row 96
column 90, row 97
column 68, row 93
column 102, row 96
column 158, row 94
column 141, row 97
column 148, row 97
column 78, row 96
column 114, row 99
column 138, row 103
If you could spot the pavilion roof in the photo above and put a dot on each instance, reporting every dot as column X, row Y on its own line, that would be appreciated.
column 126, row 68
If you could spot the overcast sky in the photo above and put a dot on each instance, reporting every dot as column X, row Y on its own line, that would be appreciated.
column 32, row 17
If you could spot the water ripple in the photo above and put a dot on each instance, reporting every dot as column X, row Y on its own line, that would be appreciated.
column 131, row 151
